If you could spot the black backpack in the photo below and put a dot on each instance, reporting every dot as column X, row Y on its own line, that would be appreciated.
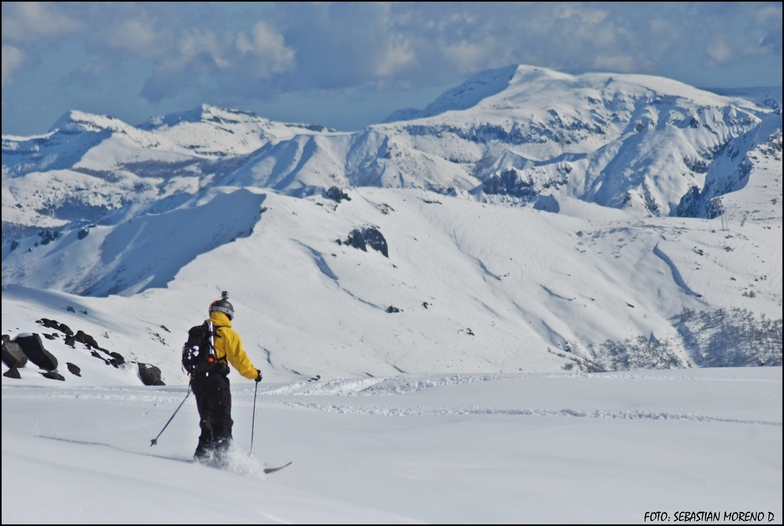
column 198, row 353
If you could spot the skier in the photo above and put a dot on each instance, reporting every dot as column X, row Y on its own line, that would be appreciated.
column 211, row 387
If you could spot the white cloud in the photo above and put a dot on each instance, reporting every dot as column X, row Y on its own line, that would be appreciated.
column 201, row 43
column 12, row 61
column 267, row 49
column 587, row 16
column 719, row 52
column 241, row 54
column 32, row 21
column 398, row 56
column 467, row 57
column 769, row 13
column 136, row 35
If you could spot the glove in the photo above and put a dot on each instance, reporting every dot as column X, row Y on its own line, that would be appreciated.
column 258, row 378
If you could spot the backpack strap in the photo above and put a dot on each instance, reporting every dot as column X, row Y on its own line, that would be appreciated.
column 213, row 349
column 212, row 337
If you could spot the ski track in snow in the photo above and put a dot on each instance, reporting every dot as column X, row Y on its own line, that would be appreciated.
column 388, row 386
column 400, row 386
column 445, row 411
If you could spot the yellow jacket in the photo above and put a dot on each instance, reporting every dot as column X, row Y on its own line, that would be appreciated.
column 228, row 346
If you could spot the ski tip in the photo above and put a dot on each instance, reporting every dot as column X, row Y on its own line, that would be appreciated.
column 273, row 470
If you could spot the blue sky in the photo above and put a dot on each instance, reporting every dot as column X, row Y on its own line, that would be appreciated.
column 350, row 65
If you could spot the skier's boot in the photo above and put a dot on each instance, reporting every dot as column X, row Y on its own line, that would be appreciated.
column 204, row 456
column 221, row 449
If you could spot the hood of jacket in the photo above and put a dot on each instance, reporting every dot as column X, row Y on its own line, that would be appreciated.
column 219, row 319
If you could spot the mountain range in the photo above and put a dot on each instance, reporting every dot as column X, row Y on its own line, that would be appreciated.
column 648, row 145
column 532, row 220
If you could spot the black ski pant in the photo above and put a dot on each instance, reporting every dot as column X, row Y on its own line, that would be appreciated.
column 213, row 399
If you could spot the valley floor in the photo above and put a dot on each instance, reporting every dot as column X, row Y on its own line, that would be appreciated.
column 413, row 448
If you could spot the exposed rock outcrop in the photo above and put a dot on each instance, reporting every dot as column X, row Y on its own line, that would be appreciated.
column 336, row 194
column 361, row 238
column 33, row 348
column 13, row 355
column 150, row 374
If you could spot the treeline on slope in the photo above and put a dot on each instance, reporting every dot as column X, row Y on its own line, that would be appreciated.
column 720, row 338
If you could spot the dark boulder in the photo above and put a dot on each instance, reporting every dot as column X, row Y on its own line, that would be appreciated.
column 46, row 322
column 336, row 194
column 86, row 339
column 357, row 240
column 361, row 238
column 33, row 347
column 13, row 372
column 392, row 309
column 93, row 353
column 83, row 233
column 53, row 375
column 73, row 369
column 54, row 324
column 117, row 357
column 13, row 355
column 47, row 236
column 150, row 374
column 376, row 240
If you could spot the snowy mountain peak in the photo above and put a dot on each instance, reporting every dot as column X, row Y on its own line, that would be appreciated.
column 203, row 113
column 78, row 122
column 464, row 96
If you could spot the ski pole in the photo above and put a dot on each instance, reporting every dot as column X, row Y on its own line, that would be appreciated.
column 155, row 440
column 253, row 424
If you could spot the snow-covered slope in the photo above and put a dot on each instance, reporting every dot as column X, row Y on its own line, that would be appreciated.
column 514, row 448
column 104, row 144
column 625, row 141
column 768, row 96
column 466, row 286
column 466, row 95
column 92, row 168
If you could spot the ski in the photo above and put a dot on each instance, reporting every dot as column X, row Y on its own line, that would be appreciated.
column 210, row 464
column 267, row 471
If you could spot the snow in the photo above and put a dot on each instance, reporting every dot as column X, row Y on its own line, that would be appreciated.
column 456, row 441
column 466, row 95
column 434, row 448
column 561, row 332
column 480, row 287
